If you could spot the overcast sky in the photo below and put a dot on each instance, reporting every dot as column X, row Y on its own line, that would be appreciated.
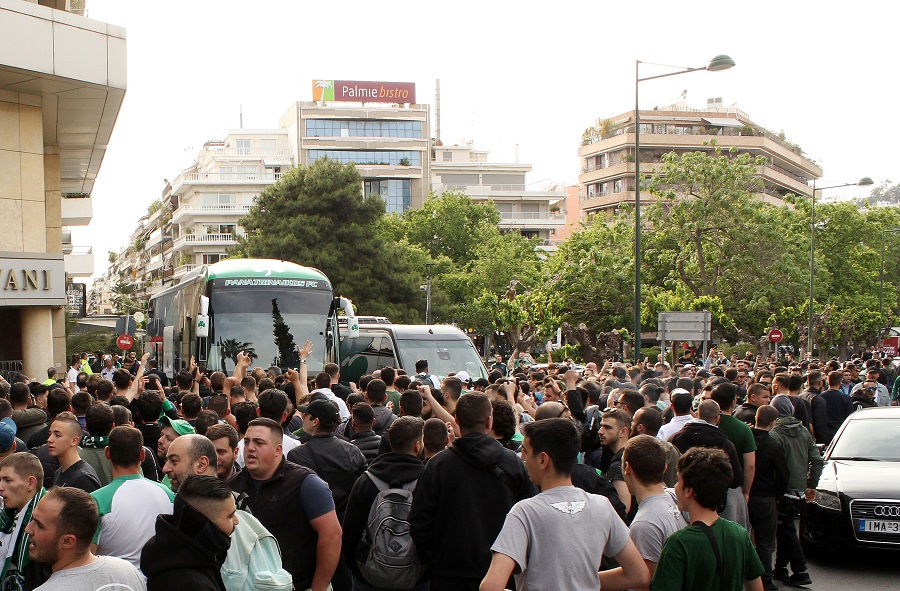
column 512, row 74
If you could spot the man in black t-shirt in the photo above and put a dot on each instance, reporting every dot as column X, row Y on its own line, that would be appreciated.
column 614, row 429
column 65, row 435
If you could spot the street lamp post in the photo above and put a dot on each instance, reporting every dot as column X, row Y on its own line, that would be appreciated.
column 881, row 290
column 863, row 182
column 718, row 63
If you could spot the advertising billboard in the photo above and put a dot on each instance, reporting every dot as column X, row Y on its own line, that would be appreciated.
column 356, row 91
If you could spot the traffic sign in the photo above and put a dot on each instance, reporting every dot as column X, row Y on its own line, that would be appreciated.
column 125, row 342
column 775, row 335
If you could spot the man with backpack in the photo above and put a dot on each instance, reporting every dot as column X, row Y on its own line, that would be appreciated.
column 462, row 499
column 379, row 501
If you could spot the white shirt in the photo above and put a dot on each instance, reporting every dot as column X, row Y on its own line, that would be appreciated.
column 72, row 375
column 674, row 426
column 342, row 406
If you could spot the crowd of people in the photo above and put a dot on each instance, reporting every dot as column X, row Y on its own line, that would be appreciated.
column 625, row 476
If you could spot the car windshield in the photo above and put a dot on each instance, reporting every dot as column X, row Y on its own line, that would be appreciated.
column 443, row 357
column 868, row 439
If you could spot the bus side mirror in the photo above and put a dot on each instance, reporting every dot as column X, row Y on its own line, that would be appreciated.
column 352, row 322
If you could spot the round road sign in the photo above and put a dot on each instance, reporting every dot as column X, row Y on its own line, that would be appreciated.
column 775, row 335
column 125, row 342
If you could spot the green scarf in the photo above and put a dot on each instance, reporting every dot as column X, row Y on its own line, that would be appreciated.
column 14, row 522
column 94, row 442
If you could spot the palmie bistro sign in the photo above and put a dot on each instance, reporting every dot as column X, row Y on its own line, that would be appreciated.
column 355, row 91
column 32, row 279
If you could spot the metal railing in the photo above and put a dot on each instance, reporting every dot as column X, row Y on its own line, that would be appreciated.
column 9, row 369
column 230, row 176
column 205, row 239
column 270, row 152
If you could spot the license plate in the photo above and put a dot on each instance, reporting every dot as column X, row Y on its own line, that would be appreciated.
column 886, row 527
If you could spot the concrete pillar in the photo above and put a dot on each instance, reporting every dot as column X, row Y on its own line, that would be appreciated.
column 59, row 337
column 37, row 341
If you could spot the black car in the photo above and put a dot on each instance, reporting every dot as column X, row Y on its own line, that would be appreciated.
column 857, row 501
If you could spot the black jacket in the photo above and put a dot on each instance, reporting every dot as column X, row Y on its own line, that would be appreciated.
column 838, row 407
column 771, row 477
column 186, row 553
column 393, row 468
column 746, row 412
column 859, row 401
column 336, row 461
column 460, row 504
column 702, row 434
column 368, row 443
column 819, row 411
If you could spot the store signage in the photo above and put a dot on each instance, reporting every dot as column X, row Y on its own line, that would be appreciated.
column 356, row 91
column 32, row 279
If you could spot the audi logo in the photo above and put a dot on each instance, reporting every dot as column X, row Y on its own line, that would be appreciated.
column 887, row 510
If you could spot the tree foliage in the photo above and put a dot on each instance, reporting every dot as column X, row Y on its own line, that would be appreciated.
column 317, row 216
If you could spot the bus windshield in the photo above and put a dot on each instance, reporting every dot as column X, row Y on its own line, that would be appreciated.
column 269, row 324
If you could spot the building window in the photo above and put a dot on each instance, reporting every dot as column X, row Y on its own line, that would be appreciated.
column 397, row 193
column 646, row 128
column 448, row 156
column 363, row 128
column 682, row 130
column 592, row 189
column 370, row 157
column 209, row 259
column 221, row 229
column 619, row 186
column 604, row 189
column 243, row 146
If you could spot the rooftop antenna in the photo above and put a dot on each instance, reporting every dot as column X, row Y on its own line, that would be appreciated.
column 437, row 112
column 241, row 108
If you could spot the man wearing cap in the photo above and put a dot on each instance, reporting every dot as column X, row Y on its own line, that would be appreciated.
column 681, row 406
column 337, row 461
column 7, row 437
column 172, row 429
column 130, row 503
column 805, row 465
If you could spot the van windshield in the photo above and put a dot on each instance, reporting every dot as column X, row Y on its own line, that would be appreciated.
column 443, row 357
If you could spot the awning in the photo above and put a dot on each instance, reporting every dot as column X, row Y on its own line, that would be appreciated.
column 724, row 122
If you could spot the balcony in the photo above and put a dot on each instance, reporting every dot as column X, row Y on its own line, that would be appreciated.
column 205, row 240
column 181, row 270
column 230, row 178
column 77, row 211
column 493, row 191
column 532, row 220
column 189, row 211
column 264, row 153
column 79, row 261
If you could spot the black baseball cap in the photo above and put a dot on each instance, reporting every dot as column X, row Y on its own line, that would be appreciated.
column 324, row 410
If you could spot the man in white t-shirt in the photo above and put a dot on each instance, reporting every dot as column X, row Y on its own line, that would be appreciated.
column 658, row 516
column 61, row 528
column 585, row 526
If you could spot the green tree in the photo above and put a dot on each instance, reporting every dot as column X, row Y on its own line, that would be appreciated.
column 287, row 348
column 317, row 216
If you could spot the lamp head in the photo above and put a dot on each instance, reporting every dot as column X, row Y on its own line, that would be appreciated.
column 720, row 62
column 865, row 182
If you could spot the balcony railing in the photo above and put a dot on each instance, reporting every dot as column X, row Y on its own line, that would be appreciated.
column 205, row 239
column 262, row 152
column 230, row 177
column 219, row 209
column 531, row 215
column 182, row 269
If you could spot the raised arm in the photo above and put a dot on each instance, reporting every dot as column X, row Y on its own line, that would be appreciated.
column 136, row 385
column 437, row 410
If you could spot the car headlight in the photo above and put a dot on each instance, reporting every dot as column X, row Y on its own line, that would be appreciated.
column 828, row 500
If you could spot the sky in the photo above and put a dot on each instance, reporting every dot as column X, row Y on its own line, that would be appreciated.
column 517, row 78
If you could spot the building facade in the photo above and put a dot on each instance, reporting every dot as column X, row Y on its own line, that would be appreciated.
column 389, row 143
column 536, row 213
column 607, row 156
column 62, row 82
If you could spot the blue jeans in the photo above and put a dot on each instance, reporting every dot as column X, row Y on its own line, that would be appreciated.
column 360, row 585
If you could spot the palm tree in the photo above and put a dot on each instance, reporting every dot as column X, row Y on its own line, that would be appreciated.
column 229, row 349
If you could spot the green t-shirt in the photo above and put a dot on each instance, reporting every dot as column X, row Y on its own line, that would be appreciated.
column 738, row 432
column 687, row 562
column 394, row 396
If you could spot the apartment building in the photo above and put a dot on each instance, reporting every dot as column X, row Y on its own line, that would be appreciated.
column 389, row 142
column 607, row 156
column 62, row 82
column 535, row 213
